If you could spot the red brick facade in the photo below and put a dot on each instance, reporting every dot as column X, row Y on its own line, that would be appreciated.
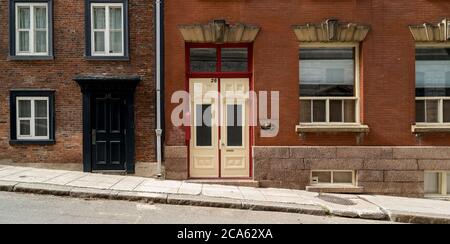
column 387, row 79
column 69, row 61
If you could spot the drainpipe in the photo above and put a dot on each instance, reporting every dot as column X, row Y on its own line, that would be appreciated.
column 159, row 69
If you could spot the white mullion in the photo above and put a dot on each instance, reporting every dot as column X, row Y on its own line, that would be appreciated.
column 327, row 110
column 312, row 110
column 444, row 183
column 32, row 30
column 33, row 118
column 107, row 30
column 343, row 110
column 441, row 110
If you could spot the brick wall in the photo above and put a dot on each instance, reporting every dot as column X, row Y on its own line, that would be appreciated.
column 387, row 62
column 69, row 49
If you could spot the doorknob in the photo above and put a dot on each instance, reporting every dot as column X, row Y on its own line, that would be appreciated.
column 94, row 137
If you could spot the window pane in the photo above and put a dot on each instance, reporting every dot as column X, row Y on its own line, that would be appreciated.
column 24, row 41
column 99, row 18
column 203, row 59
column 203, row 124
column 336, row 111
column 99, row 41
column 432, row 72
column 343, row 177
column 446, row 111
column 323, row 177
column 40, row 127
column 319, row 111
column 305, row 111
column 234, row 125
column 327, row 71
column 432, row 183
column 115, row 42
column 432, row 111
column 115, row 18
column 420, row 111
column 40, row 108
column 41, row 41
column 24, row 17
column 24, row 128
column 24, row 109
column 234, row 60
column 40, row 15
column 349, row 111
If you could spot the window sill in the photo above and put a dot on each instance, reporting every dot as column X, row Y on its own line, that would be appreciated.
column 438, row 197
column 107, row 58
column 304, row 128
column 32, row 142
column 31, row 58
column 330, row 188
column 420, row 129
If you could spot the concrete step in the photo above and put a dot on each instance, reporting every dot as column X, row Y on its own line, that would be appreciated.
column 246, row 183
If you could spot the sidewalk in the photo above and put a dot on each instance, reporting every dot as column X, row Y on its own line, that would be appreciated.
column 86, row 185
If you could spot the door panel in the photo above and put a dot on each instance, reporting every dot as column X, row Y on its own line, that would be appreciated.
column 235, row 140
column 204, row 150
column 108, row 132
column 219, row 149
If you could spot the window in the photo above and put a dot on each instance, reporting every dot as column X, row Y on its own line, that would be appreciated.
column 220, row 58
column 433, row 85
column 336, row 177
column 329, row 85
column 437, row 183
column 32, row 116
column 31, row 29
column 107, row 35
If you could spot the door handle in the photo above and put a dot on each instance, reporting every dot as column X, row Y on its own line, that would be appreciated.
column 94, row 137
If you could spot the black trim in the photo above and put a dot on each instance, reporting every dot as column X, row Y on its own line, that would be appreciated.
column 50, row 94
column 126, row 34
column 12, row 31
column 126, row 85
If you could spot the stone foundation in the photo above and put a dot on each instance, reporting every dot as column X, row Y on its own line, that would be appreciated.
column 176, row 162
column 380, row 170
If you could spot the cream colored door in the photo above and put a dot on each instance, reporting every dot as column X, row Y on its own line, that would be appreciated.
column 204, row 143
column 235, row 130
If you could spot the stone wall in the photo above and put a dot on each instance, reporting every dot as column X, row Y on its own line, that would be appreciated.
column 380, row 170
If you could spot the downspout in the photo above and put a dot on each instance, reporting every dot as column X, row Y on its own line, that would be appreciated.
column 159, row 70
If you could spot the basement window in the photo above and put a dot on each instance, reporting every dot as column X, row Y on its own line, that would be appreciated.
column 437, row 183
column 333, row 177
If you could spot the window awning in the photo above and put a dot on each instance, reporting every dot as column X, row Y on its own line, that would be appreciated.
column 331, row 30
column 219, row 31
column 431, row 32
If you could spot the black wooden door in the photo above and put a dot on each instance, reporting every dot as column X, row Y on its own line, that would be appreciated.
column 108, row 132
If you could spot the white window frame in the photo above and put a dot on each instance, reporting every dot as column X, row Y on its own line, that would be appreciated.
column 355, row 98
column 32, row 119
column 439, row 99
column 354, row 180
column 442, row 183
column 32, row 30
column 107, row 29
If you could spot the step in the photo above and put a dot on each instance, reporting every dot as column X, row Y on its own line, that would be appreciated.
column 246, row 183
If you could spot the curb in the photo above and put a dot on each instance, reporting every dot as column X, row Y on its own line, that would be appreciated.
column 205, row 201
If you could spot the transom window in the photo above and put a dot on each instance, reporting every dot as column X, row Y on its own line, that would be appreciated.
column 32, row 29
column 107, row 29
column 328, row 85
column 437, row 183
column 433, row 85
column 32, row 118
column 219, row 59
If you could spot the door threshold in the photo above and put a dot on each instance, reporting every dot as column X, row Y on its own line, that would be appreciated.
column 228, row 182
column 110, row 172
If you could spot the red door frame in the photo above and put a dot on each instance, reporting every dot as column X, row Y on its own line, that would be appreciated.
column 218, row 74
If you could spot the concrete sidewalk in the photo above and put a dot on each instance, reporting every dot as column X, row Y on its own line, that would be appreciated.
column 86, row 185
